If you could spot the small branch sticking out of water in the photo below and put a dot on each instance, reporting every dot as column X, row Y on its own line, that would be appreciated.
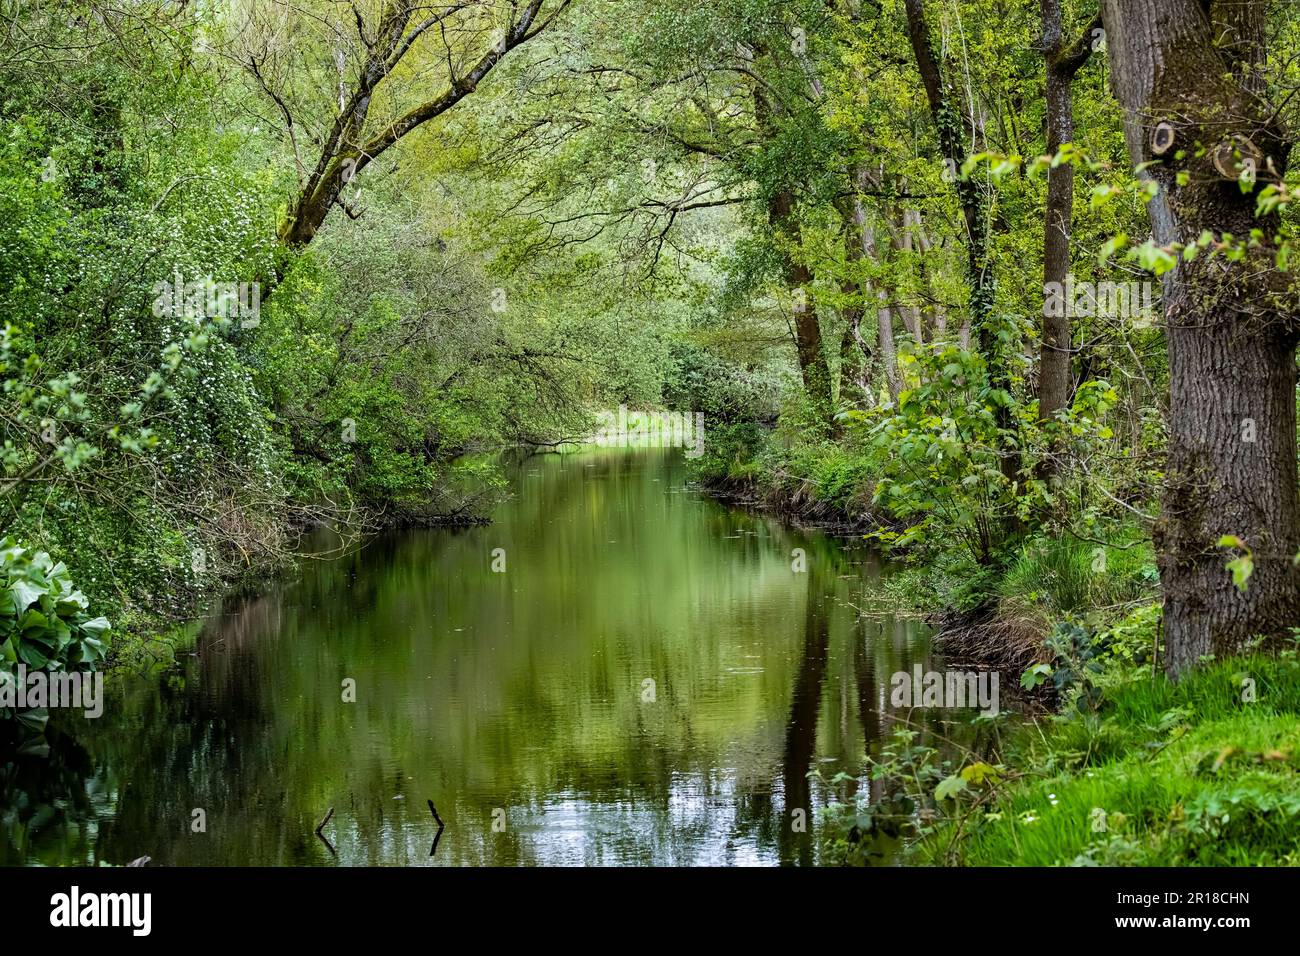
column 320, row 826
column 441, row 826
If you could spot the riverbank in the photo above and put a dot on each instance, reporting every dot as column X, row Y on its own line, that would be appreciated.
column 1199, row 773
column 147, row 629
column 998, row 616
column 1119, row 766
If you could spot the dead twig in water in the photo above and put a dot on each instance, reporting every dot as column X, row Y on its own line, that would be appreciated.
column 441, row 826
column 321, row 826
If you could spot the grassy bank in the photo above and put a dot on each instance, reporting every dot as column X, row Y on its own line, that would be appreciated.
column 1130, row 770
column 1203, row 772
column 1112, row 763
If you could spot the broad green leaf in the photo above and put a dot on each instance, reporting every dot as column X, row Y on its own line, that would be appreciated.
column 950, row 787
column 25, row 594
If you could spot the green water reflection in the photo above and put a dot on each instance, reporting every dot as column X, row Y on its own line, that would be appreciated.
column 518, row 701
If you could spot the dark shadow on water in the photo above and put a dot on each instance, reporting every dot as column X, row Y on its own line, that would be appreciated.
column 796, row 832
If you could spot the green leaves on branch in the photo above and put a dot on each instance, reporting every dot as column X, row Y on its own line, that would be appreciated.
column 938, row 456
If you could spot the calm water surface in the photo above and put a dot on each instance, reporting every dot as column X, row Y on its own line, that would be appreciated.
column 648, row 682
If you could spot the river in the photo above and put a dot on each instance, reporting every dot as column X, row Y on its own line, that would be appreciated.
column 618, row 670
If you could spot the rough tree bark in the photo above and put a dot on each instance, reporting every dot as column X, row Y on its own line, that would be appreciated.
column 904, row 221
column 951, row 129
column 1231, row 328
column 933, row 315
column 886, row 351
column 855, row 353
column 813, row 367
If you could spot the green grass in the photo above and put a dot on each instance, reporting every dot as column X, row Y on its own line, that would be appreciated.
column 1066, row 575
column 1186, row 774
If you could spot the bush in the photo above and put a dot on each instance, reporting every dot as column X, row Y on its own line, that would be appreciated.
column 729, row 455
column 44, row 621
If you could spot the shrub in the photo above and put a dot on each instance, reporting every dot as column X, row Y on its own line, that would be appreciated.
column 44, row 621
column 729, row 453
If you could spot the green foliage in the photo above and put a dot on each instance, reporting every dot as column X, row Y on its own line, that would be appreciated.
column 940, row 457
column 1155, row 774
column 1134, row 639
column 1075, row 651
column 860, row 833
column 1242, row 566
column 44, row 619
column 1195, row 773
column 175, row 455
column 921, row 790
column 121, row 426
column 730, row 452
column 1060, row 576
column 700, row 380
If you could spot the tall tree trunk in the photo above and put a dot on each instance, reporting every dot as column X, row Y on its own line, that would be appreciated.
column 951, row 128
column 855, row 354
column 885, row 348
column 813, row 366
column 901, row 233
column 783, row 219
column 1190, row 68
column 934, row 315
column 1054, row 373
